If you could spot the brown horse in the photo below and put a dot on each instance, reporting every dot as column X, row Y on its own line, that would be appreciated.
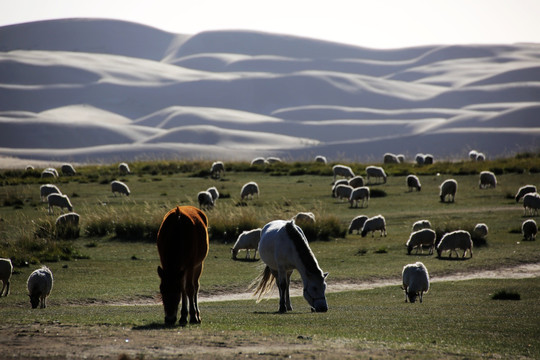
column 182, row 243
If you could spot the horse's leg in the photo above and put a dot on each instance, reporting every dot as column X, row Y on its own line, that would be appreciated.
column 281, row 280
column 192, row 289
column 183, row 297
column 288, row 298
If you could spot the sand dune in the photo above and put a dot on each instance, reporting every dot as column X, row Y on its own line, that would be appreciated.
column 93, row 90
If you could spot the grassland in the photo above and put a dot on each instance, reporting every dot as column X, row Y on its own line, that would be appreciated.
column 113, row 262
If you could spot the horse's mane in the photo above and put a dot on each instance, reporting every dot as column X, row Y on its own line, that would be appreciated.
column 302, row 248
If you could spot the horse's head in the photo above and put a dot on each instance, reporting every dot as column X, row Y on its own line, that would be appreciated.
column 314, row 293
column 170, row 295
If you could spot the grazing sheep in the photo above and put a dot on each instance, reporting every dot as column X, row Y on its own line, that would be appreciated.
column 53, row 170
column 529, row 229
column 525, row 190
column 304, row 217
column 45, row 174
column 531, row 204
column 214, row 192
column 480, row 157
column 68, row 219
column 375, row 172
column 62, row 201
column 320, row 159
column 473, row 154
column 481, row 230
column 413, row 183
column 6, row 269
column 339, row 182
column 48, row 189
column 357, row 223
column 40, row 283
column 487, row 180
column 428, row 159
column 459, row 239
column 401, row 158
column 273, row 160
column 205, row 199
column 420, row 238
column 448, row 189
column 123, row 168
column 217, row 168
column 119, row 187
column 375, row 223
column 390, row 158
column 258, row 161
column 415, row 281
column 342, row 170
column 247, row 240
column 419, row 158
column 343, row 191
column 356, row 181
column 421, row 224
column 249, row 189
column 29, row 168
column 361, row 193
column 68, row 169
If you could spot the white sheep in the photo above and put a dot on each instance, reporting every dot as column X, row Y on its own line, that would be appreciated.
column 356, row 181
column 529, row 229
column 421, row 224
column 70, row 218
column 40, row 283
column 123, row 168
column 375, row 172
column 531, row 204
column 473, row 154
column 343, row 191
column 119, row 187
column 248, row 240
column 48, row 189
column 413, row 183
column 415, row 281
column 481, row 230
column 525, row 190
column 205, row 199
column 487, row 180
column 342, row 170
column 361, row 193
column 421, row 238
column 419, row 158
column 401, row 158
column 375, row 223
column 29, row 168
column 249, row 189
column 320, row 159
column 214, row 192
column 46, row 174
column 480, row 157
column 357, row 223
column 448, row 189
column 273, row 160
column 68, row 169
column 304, row 217
column 258, row 161
column 217, row 169
column 428, row 159
column 459, row 239
column 6, row 269
column 62, row 201
column 339, row 182
column 390, row 158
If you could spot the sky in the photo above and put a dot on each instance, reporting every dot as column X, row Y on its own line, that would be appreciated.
column 372, row 23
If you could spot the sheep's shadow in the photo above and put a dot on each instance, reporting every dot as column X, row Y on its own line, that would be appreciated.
column 459, row 258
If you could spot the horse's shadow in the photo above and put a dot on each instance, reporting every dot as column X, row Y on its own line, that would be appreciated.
column 246, row 260
column 446, row 258
column 152, row 326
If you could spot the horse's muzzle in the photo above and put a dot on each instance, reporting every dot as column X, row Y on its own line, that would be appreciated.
column 320, row 306
column 170, row 320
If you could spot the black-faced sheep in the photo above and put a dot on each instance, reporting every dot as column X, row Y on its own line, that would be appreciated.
column 390, row 158
column 48, row 189
column 357, row 223
column 525, row 190
column 6, row 269
column 217, row 169
column 531, row 204
column 421, row 224
column 61, row 201
column 39, row 285
column 320, row 159
column 375, row 223
column 356, row 181
column 342, row 170
column 119, row 187
column 421, row 238
column 448, row 189
column 249, row 189
column 123, row 168
column 247, row 240
column 375, row 172
column 68, row 169
column 529, row 229
column 361, row 193
column 205, row 199
column 413, row 183
column 481, row 230
column 487, row 180
column 415, row 281
column 459, row 239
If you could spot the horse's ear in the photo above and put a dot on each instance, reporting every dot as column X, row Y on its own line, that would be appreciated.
column 325, row 275
column 160, row 271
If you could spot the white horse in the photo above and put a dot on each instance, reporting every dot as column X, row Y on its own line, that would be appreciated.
column 283, row 247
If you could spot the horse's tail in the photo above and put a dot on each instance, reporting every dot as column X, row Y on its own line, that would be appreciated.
column 263, row 283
